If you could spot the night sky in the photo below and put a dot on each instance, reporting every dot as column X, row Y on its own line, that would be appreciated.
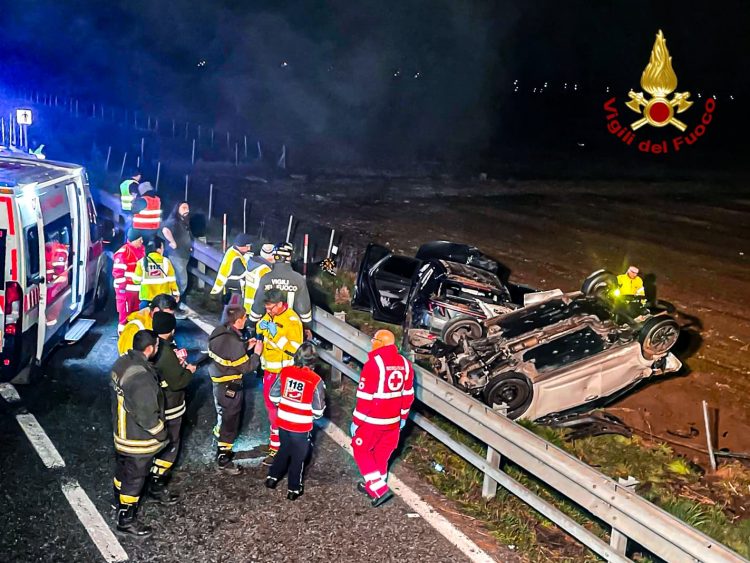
column 417, row 78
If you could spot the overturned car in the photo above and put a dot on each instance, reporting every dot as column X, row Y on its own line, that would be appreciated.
column 528, row 353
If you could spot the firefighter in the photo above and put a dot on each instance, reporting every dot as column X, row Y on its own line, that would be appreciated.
column 284, row 278
column 281, row 331
column 126, row 189
column 143, row 320
column 147, row 210
column 175, row 374
column 630, row 283
column 154, row 274
column 384, row 396
column 299, row 393
column 139, row 427
column 230, row 279
column 232, row 357
column 257, row 267
column 124, row 262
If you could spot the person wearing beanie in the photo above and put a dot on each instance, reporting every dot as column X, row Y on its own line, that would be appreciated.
column 154, row 274
column 175, row 374
column 143, row 320
column 300, row 395
column 147, row 209
column 124, row 262
column 230, row 279
column 257, row 267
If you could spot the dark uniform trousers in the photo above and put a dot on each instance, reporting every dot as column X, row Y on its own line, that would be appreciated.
column 165, row 459
column 230, row 397
column 294, row 449
column 130, row 476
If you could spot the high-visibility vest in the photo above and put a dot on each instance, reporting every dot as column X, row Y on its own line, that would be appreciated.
column 278, row 351
column 126, row 199
column 155, row 275
column 252, row 281
column 297, row 390
column 137, row 320
column 150, row 218
column 229, row 275
column 630, row 287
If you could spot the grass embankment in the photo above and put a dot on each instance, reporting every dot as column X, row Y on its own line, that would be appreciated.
column 714, row 504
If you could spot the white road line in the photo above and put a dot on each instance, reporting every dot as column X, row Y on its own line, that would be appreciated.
column 39, row 439
column 9, row 393
column 94, row 523
column 455, row 536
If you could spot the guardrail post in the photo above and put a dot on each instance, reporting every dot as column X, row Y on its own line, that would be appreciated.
column 201, row 266
column 489, row 485
column 338, row 353
column 617, row 540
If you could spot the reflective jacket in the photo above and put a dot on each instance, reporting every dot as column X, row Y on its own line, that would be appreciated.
column 300, row 395
column 124, row 262
column 155, row 275
column 257, row 267
column 137, row 320
column 174, row 377
column 148, row 216
column 126, row 199
column 386, row 389
column 229, row 354
column 283, row 277
column 630, row 287
column 278, row 350
column 231, row 272
column 137, row 406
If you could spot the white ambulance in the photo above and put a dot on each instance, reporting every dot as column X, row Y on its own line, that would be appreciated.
column 52, row 260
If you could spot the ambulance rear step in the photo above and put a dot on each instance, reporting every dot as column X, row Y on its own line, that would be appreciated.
column 78, row 329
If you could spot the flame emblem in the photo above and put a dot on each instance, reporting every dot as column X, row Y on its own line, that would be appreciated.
column 659, row 80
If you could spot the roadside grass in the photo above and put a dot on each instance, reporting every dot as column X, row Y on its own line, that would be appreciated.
column 714, row 504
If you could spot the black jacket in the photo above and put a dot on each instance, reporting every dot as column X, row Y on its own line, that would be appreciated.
column 174, row 378
column 283, row 277
column 230, row 356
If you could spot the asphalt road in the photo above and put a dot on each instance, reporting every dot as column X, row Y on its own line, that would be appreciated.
column 219, row 517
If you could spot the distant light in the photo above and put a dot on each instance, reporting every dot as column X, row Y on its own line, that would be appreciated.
column 534, row 90
column 714, row 96
column 515, row 81
column 201, row 62
column 731, row 97
column 284, row 64
column 699, row 94
column 417, row 75
column 515, row 89
column 397, row 73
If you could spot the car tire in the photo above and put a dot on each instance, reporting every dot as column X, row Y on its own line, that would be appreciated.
column 455, row 330
column 657, row 336
column 512, row 388
column 101, row 292
column 599, row 284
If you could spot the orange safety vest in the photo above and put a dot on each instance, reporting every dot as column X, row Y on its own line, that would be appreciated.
column 150, row 218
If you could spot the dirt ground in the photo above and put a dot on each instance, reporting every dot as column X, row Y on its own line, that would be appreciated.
column 693, row 237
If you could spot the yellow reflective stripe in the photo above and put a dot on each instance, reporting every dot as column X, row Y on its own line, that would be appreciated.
column 162, row 463
column 227, row 445
column 227, row 363
column 139, row 451
column 121, row 414
column 117, row 483
column 225, row 378
column 156, row 429
column 146, row 442
column 127, row 499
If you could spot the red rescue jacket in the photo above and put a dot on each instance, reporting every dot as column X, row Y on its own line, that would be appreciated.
column 124, row 262
column 300, row 395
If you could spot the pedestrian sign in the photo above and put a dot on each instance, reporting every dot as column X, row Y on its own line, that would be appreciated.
column 24, row 116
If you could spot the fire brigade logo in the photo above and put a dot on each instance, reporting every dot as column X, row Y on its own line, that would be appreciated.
column 660, row 82
column 395, row 380
column 293, row 389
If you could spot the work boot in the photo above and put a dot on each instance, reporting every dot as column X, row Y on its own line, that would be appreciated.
column 361, row 488
column 293, row 495
column 271, row 482
column 115, row 498
column 127, row 523
column 226, row 465
column 382, row 500
column 159, row 492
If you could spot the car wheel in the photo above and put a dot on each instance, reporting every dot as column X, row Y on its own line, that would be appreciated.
column 599, row 284
column 512, row 388
column 459, row 328
column 657, row 336
column 101, row 293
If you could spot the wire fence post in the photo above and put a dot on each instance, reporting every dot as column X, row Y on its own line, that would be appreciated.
column 709, row 441
column 229, row 145
column 210, row 200
column 224, row 234
column 158, row 173
column 330, row 243
column 199, row 132
column 289, row 228
column 138, row 162
column 143, row 146
column 149, row 123
column 109, row 154
column 244, row 215
column 260, row 153
column 212, row 138
column 245, row 147
column 187, row 181
column 305, row 246
column 192, row 156
column 236, row 154
column 122, row 168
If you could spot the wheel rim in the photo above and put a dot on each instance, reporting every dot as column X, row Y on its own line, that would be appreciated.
column 662, row 339
column 512, row 393
column 461, row 331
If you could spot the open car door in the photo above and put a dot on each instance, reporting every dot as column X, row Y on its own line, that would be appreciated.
column 384, row 284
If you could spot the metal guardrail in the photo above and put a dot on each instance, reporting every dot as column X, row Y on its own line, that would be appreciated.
column 613, row 504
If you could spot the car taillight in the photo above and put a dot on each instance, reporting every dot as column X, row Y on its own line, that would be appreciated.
column 13, row 299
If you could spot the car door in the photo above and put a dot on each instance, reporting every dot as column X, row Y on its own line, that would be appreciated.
column 384, row 284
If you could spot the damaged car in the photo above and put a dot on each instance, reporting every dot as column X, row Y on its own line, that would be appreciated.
column 526, row 353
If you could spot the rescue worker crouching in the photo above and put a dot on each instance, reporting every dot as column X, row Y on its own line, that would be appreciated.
column 154, row 274
column 299, row 394
column 139, row 427
column 230, row 279
column 124, row 262
column 281, row 331
column 143, row 319
column 231, row 358
column 175, row 374
column 384, row 396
